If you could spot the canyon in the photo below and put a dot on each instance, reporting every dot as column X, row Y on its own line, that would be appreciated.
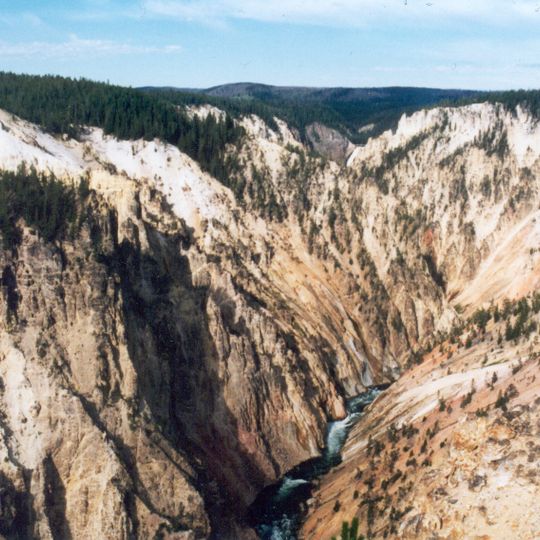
column 189, row 345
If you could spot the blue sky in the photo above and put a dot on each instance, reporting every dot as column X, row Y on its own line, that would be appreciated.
column 484, row 44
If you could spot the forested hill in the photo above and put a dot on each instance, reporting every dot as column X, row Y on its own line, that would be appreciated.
column 349, row 110
column 64, row 105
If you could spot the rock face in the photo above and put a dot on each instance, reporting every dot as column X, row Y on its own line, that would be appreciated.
column 450, row 449
column 189, row 345
column 329, row 142
column 156, row 367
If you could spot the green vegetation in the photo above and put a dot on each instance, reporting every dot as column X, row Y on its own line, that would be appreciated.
column 521, row 325
column 345, row 109
column 519, row 317
column 392, row 158
column 42, row 201
column 62, row 105
column 494, row 142
column 349, row 532
column 299, row 168
column 480, row 318
column 261, row 193
column 408, row 224
column 503, row 398
column 467, row 399
column 527, row 99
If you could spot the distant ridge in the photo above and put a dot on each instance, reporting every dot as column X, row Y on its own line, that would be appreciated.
column 266, row 91
column 348, row 110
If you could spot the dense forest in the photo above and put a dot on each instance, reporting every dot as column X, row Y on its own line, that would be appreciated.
column 528, row 99
column 295, row 114
column 346, row 109
column 63, row 105
column 47, row 204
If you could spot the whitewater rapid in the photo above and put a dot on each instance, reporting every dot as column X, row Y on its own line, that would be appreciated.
column 277, row 512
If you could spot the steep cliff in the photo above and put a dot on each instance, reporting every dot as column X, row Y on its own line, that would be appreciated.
column 188, row 345
column 449, row 450
column 140, row 339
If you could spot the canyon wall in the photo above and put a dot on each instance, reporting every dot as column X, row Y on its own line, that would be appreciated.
column 188, row 346
column 449, row 451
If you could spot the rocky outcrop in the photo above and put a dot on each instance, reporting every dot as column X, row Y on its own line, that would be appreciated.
column 97, row 456
column 156, row 367
column 329, row 143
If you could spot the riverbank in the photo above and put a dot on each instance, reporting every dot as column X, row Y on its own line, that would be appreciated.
column 278, row 511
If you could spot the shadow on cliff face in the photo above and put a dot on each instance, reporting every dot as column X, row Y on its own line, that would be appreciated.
column 16, row 511
column 173, row 352
column 55, row 501
column 8, row 281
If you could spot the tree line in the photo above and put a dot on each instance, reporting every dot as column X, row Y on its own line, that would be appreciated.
column 45, row 203
column 64, row 105
column 346, row 110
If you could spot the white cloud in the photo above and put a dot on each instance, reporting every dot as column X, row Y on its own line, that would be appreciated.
column 344, row 12
column 28, row 19
column 76, row 46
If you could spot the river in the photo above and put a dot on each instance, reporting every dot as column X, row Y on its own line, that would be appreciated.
column 277, row 512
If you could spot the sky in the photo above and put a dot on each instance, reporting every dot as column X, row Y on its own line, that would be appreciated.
column 476, row 44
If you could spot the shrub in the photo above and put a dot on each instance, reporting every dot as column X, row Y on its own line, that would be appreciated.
column 501, row 402
column 349, row 532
